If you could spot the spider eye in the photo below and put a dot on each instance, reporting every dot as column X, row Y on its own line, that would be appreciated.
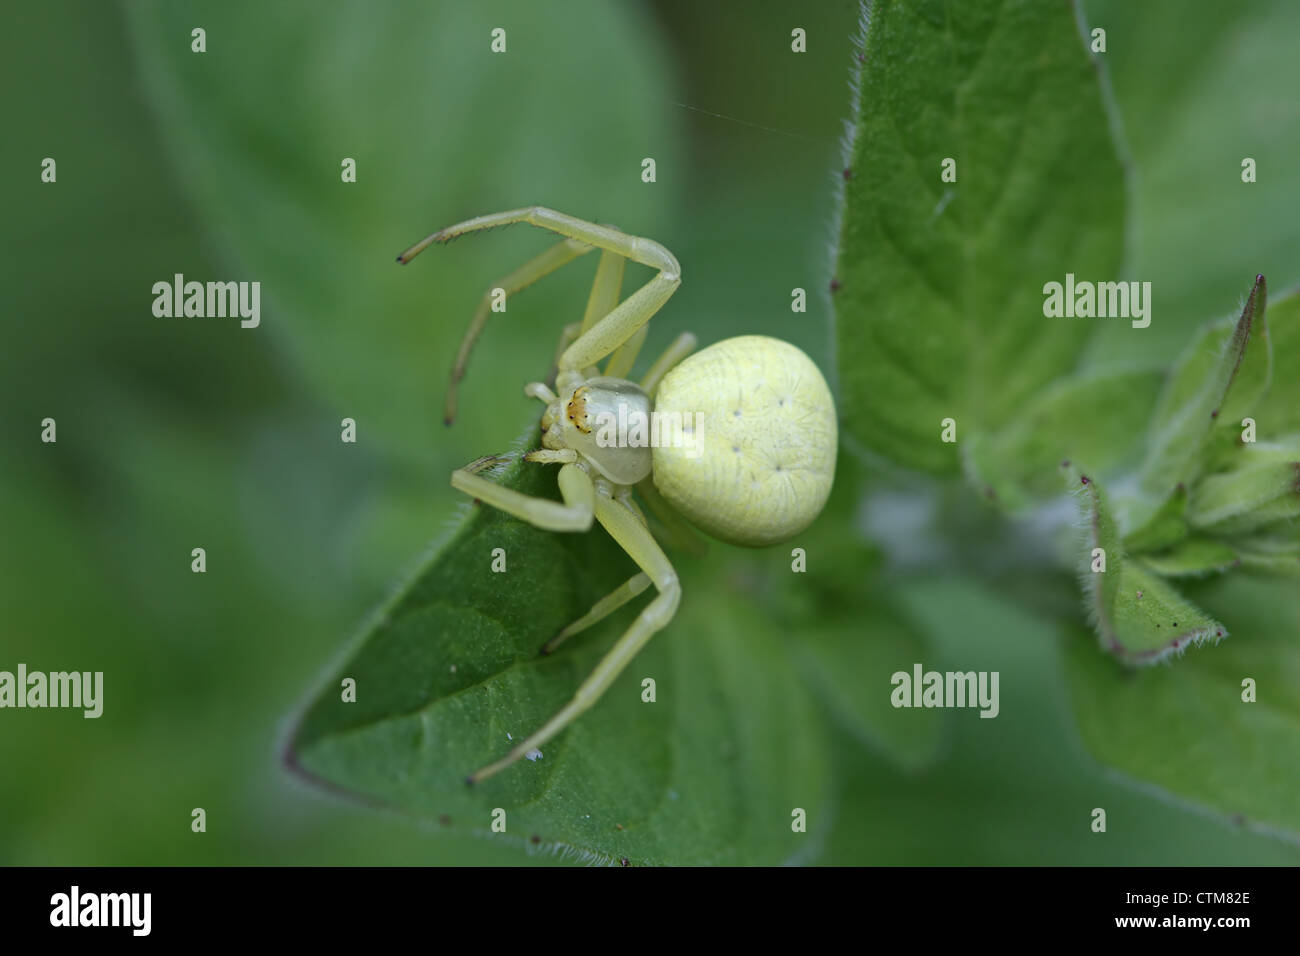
column 576, row 411
column 606, row 422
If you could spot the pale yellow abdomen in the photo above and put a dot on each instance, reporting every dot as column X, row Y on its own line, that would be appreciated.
column 766, row 440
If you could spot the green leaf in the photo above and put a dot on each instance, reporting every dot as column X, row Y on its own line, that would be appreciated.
column 1278, row 412
column 1193, row 557
column 1249, row 498
column 1268, row 561
column 1085, row 417
column 1283, row 540
column 1274, row 550
column 1139, row 617
column 450, row 672
column 1165, row 528
column 1187, row 731
column 1149, row 620
column 939, row 300
column 1222, row 375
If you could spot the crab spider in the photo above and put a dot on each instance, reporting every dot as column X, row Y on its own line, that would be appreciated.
column 754, row 467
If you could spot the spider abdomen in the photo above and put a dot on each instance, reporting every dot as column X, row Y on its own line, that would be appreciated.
column 759, row 456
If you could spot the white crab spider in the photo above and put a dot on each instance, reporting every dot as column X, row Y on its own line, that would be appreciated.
column 761, row 472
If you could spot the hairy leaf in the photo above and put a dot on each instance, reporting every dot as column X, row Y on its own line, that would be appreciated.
column 1187, row 730
column 1248, row 498
column 1278, row 413
column 1193, row 557
column 1222, row 374
column 1165, row 528
column 939, row 301
column 1139, row 617
column 1090, row 417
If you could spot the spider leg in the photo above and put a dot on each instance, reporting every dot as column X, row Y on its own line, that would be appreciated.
column 539, row 391
column 606, row 606
column 619, row 324
column 567, row 335
column 620, row 363
column 552, row 456
column 605, row 290
column 560, row 254
column 682, row 346
column 637, row 541
column 677, row 532
column 576, row 489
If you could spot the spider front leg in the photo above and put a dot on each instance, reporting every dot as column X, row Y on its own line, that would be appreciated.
column 576, row 489
column 559, row 255
column 622, row 322
column 605, row 292
column 634, row 538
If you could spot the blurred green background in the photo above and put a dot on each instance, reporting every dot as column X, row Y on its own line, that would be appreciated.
column 183, row 433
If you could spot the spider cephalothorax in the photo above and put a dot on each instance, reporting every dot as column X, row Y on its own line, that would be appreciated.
column 740, row 438
column 588, row 424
